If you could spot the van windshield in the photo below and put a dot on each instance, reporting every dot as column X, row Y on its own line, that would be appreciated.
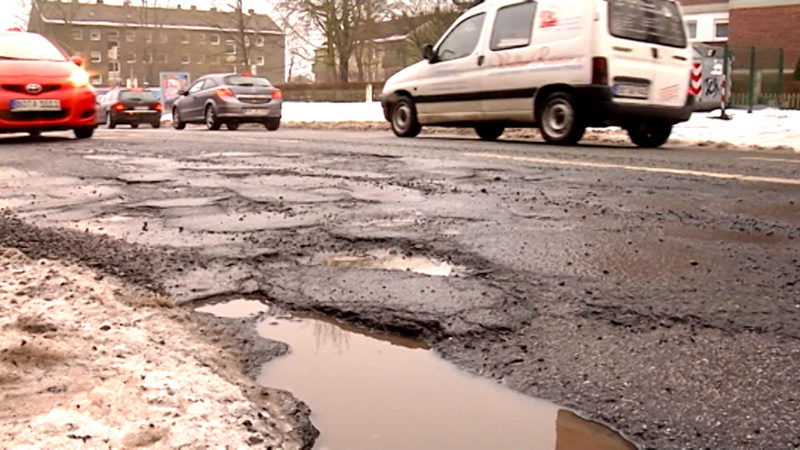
column 653, row 21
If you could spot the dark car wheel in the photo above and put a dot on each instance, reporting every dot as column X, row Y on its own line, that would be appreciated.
column 404, row 119
column 651, row 134
column 272, row 124
column 134, row 125
column 489, row 132
column 84, row 133
column 110, row 121
column 176, row 120
column 156, row 124
column 231, row 125
column 560, row 121
column 34, row 134
column 212, row 121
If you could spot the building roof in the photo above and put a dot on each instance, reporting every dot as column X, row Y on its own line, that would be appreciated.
column 100, row 14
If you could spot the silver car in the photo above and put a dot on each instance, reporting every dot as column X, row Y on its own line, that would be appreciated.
column 229, row 99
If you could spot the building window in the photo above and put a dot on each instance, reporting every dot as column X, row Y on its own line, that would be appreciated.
column 691, row 25
column 185, row 59
column 113, row 34
column 77, row 35
column 185, row 38
column 230, row 47
column 721, row 30
column 162, row 37
column 148, row 36
column 162, row 58
column 95, row 35
column 260, row 41
column 130, row 36
column 147, row 58
column 130, row 58
column 112, row 45
column 201, row 59
column 214, row 38
column 260, row 61
column 96, row 79
column 96, row 57
column 201, row 38
column 113, row 66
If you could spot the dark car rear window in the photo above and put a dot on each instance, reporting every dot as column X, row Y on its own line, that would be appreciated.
column 652, row 21
column 140, row 96
column 240, row 80
column 28, row 46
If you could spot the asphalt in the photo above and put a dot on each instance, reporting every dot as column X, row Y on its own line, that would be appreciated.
column 654, row 290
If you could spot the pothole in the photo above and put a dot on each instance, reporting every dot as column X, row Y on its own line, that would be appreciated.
column 389, row 260
column 370, row 390
column 235, row 309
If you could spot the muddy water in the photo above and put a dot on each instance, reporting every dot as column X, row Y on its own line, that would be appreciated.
column 389, row 260
column 376, row 391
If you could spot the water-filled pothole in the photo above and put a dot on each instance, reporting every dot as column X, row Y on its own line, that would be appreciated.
column 371, row 390
column 389, row 260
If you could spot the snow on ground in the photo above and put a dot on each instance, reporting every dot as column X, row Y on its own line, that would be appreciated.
column 767, row 128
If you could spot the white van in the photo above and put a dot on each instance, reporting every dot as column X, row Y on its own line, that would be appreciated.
column 563, row 65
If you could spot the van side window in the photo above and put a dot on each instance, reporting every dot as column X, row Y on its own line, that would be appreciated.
column 513, row 26
column 652, row 21
column 462, row 40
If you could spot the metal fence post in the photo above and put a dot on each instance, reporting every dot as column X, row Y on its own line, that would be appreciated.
column 751, row 93
column 780, row 76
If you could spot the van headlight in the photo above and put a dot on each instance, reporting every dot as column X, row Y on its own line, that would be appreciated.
column 79, row 78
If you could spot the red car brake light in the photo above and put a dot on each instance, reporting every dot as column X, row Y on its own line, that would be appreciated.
column 158, row 107
column 224, row 92
column 119, row 107
column 277, row 94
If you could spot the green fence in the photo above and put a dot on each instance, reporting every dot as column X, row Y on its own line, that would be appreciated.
column 760, row 76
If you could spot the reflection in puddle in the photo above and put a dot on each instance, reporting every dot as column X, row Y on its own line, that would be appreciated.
column 387, row 260
column 236, row 309
column 372, row 391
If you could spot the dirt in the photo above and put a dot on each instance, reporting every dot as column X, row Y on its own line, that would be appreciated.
column 87, row 359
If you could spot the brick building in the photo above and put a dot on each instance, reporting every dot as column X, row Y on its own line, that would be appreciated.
column 765, row 24
column 127, row 44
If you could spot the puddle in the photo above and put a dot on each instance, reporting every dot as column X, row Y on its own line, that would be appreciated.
column 236, row 309
column 374, row 391
column 388, row 260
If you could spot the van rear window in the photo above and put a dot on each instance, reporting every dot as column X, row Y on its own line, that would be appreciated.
column 652, row 21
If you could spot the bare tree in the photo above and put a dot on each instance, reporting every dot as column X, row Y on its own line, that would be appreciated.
column 238, row 26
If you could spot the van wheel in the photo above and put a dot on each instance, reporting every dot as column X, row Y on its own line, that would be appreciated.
column 489, row 132
column 404, row 119
column 651, row 134
column 559, row 120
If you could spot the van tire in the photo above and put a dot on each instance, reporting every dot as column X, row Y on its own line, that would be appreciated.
column 489, row 132
column 559, row 119
column 650, row 134
column 404, row 119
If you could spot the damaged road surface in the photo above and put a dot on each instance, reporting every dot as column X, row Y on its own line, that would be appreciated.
column 653, row 291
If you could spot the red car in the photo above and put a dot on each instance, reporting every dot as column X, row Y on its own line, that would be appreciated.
column 41, row 89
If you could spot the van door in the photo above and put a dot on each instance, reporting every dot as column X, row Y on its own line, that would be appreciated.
column 509, row 85
column 648, row 51
column 449, row 88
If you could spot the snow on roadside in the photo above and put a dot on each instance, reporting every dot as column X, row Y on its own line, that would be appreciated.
column 765, row 128
column 87, row 361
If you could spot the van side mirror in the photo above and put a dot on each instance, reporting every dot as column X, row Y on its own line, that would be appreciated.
column 429, row 54
column 77, row 60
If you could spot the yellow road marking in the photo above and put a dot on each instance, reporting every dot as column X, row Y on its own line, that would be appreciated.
column 665, row 170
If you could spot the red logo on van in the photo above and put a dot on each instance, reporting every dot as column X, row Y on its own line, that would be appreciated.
column 549, row 18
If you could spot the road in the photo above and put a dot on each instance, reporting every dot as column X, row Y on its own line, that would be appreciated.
column 655, row 290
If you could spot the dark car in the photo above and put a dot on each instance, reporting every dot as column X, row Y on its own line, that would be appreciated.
column 131, row 106
column 231, row 99
column 41, row 89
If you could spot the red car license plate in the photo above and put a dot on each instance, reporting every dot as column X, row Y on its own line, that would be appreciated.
column 35, row 105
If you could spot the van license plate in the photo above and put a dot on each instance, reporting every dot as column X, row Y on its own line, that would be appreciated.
column 626, row 90
column 36, row 105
